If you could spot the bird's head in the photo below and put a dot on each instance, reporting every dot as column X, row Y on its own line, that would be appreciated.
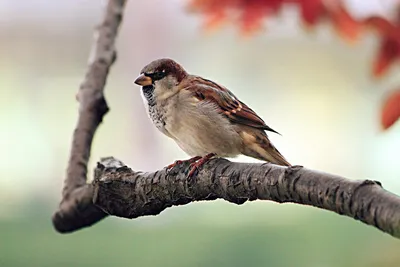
column 162, row 76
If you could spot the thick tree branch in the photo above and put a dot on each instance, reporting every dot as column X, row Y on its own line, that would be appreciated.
column 76, row 208
column 120, row 191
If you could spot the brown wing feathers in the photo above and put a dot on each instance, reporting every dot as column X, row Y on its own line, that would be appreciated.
column 234, row 109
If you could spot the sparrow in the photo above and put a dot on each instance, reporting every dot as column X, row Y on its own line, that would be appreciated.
column 204, row 118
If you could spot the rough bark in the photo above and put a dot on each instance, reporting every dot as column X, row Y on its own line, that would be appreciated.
column 122, row 192
column 76, row 209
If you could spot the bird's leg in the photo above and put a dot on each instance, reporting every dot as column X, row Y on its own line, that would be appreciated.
column 197, row 164
column 177, row 162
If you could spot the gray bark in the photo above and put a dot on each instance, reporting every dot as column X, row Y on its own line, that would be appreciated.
column 123, row 192
column 76, row 209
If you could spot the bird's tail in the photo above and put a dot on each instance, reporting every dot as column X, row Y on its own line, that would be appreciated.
column 274, row 156
column 263, row 149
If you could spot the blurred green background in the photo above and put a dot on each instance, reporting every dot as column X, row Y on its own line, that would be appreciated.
column 313, row 88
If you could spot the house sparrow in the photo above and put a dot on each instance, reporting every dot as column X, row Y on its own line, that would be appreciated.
column 204, row 118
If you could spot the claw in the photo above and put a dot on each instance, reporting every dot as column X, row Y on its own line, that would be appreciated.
column 194, row 166
column 178, row 162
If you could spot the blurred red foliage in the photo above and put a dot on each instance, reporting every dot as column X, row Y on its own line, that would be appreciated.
column 249, row 14
column 391, row 109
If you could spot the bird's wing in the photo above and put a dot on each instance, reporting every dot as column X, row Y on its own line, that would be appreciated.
column 229, row 104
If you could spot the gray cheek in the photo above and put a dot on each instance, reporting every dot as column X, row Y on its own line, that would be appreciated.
column 170, row 82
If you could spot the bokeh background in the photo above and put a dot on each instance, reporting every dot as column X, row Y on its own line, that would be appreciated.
column 312, row 87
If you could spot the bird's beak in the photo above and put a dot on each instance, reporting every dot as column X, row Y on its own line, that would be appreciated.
column 143, row 80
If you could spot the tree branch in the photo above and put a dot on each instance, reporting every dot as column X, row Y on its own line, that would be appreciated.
column 76, row 209
column 117, row 190
column 122, row 192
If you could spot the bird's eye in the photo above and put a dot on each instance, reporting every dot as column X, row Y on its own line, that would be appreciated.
column 158, row 75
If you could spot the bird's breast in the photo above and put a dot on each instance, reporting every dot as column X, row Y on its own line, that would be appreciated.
column 199, row 129
column 154, row 111
column 157, row 117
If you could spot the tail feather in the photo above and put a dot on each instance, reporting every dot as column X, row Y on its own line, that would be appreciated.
column 274, row 156
column 261, row 148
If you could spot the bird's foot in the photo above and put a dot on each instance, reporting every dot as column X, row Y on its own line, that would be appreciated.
column 194, row 166
column 178, row 162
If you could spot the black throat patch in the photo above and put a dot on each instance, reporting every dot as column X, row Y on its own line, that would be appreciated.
column 148, row 92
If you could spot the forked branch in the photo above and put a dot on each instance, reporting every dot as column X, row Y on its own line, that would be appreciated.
column 76, row 208
column 118, row 190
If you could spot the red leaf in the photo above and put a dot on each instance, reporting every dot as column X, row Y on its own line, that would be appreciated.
column 213, row 10
column 253, row 11
column 389, row 52
column 249, row 12
column 345, row 25
column 210, row 5
column 214, row 19
column 391, row 110
column 311, row 11
column 383, row 26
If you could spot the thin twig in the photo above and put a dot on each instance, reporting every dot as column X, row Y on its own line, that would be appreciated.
column 76, row 209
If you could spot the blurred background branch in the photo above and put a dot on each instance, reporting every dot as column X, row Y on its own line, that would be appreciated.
column 76, row 208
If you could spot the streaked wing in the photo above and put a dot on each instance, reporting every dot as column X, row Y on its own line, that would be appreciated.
column 233, row 108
